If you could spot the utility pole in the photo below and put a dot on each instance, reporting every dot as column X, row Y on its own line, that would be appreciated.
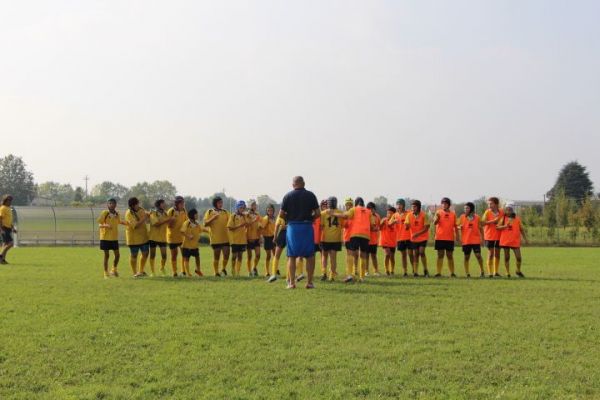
column 86, row 179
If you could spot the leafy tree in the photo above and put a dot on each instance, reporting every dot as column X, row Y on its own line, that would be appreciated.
column 564, row 208
column 106, row 190
column 574, row 181
column 79, row 194
column 587, row 215
column 60, row 193
column 381, row 202
column 16, row 180
column 263, row 201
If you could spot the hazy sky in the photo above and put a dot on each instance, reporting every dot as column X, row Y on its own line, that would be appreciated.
column 401, row 98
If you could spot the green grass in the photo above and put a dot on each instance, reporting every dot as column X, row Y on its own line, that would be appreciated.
column 67, row 333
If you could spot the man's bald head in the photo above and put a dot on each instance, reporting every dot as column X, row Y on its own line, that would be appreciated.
column 298, row 182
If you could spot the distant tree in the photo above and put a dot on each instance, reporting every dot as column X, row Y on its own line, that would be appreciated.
column 587, row 215
column 532, row 215
column 574, row 181
column 381, row 202
column 161, row 190
column 61, row 194
column 191, row 202
column 263, row 201
column 79, row 194
column 16, row 180
column 106, row 190
column 564, row 208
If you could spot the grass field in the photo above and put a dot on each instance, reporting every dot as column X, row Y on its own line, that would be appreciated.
column 68, row 333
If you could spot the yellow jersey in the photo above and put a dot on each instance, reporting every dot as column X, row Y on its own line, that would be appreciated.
column 280, row 223
column 6, row 215
column 108, row 218
column 192, row 229
column 331, row 228
column 237, row 236
column 174, row 235
column 135, row 235
column 267, row 226
column 253, row 227
column 217, row 227
column 158, row 233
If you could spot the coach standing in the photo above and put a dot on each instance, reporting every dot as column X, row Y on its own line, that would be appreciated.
column 299, row 207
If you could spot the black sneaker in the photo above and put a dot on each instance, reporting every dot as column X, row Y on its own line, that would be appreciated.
column 437, row 276
column 508, row 276
column 324, row 277
column 490, row 276
column 224, row 272
column 497, row 275
column 278, row 273
column 468, row 275
column 218, row 275
column 453, row 275
column 349, row 279
column 520, row 274
column 426, row 274
column 482, row 275
column 405, row 275
column 415, row 275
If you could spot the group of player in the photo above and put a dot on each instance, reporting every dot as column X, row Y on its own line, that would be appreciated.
column 358, row 228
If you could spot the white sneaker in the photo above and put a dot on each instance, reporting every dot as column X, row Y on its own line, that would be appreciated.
column 272, row 279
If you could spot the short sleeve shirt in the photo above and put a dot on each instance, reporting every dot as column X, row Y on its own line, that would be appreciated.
column 299, row 205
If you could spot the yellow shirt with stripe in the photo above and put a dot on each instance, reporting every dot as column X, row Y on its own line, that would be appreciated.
column 218, row 227
column 331, row 227
column 267, row 226
column 252, row 231
column 158, row 233
column 174, row 235
column 6, row 215
column 135, row 235
column 237, row 236
column 108, row 218
column 193, row 230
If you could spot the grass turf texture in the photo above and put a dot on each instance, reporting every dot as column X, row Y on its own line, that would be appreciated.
column 68, row 333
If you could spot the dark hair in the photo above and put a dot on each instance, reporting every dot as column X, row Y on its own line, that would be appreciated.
column 494, row 200
column 111, row 200
column 132, row 202
column 371, row 206
column 271, row 206
column 216, row 200
column 416, row 203
column 392, row 209
column 446, row 200
column 192, row 213
column 179, row 199
column 359, row 202
column 332, row 202
column 6, row 199
column 323, row 202
column 471, row 206
column 158, row 202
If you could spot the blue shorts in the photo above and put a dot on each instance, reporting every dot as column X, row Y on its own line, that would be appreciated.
column 300, row 239
column 135, row 249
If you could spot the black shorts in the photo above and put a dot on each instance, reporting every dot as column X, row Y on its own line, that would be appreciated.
column 317, row 247
column 331, row 246
column 417, row 245
column 281, row 240
column 468, row 248
column 268, row 243
column 253, row 244
column 391, row 249
column 109, row 245
column 447, row 245
column 173, row 246
column 239, row 248
column 136, row 248
column 509, row 247
column 188, row 253
column 219, row 246
column 403, row 245
column 358, row 243
column 372, row 249
column 154, row 244
column 492, row 244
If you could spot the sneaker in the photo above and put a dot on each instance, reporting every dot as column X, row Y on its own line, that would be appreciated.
column 106, row 275
column 387, row 273
column 300, row 277
column 310, row 286
column 437, row 276
column 498, row 275
column 138, row 275
column 291, row 286
column 482, row 275
column 272, row 279
column 224, row 272
column 452, row 275
column 426, row 274
column 490, row 276
column 114, row 273
column 377, row 274
column 324, row 277
column 254, row 272
column 198, row 272
column 3, row 261
column 520, row 274
column 348, row 279
column 366, row 274
column 468, row 275
column 175, row 275
column 405, row 275
column 415, row 275
column 508, row 276
column 278, row 273
column 217, row 275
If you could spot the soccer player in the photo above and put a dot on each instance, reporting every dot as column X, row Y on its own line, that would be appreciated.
column 317, row 229
column 403, row 235
column 446, row 232
column 216, row 220
column 252, row 232
column 331, row 234
column 158, row 235
column 178, row 216
column 280, row 244
column 471, row 232
column 108, row 224
column 387, row 240
column 373, row 239
column 237, row 225
column 267, row 230
column 7, row 227
column 136, row 235
column 491, row 235
column 418, row 224
column 351, row 256
column 511, row 230
column 191, row 230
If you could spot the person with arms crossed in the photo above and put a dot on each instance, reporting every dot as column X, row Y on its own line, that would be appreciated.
column 418, row 224
column 136, row 235
column 191, row 230
column 387, row 240
column 178, row 216
column 237, row 225
column 491, row 235
column 158, row 235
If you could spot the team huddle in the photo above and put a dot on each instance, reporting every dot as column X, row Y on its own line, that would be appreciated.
column 357, row 227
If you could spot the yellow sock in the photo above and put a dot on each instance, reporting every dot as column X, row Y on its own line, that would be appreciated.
column 440, row 265
column 143, row 263
column 489, row 266
column 274, row 266
column 496, row 265
column 174, row 265
column 249, row 264
column 507, row 266
column 216, row 266
column 163, row 263
column 363, row 268
column 238, row 267
column 225, row 261
column 451, row 265
column 350, row 265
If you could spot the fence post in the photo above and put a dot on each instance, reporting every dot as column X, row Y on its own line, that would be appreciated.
column 93, row 225
column 55, row 228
